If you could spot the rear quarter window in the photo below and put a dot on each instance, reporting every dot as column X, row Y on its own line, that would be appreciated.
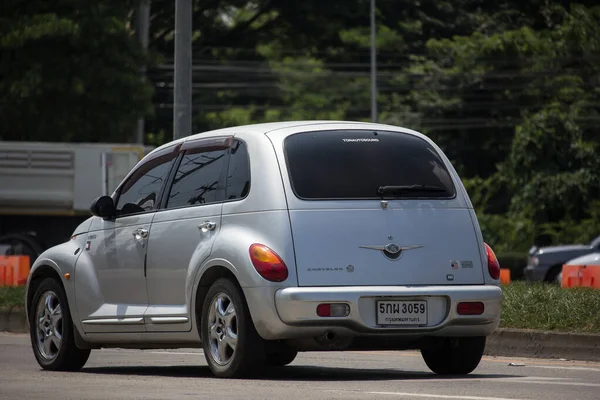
column 354, row 164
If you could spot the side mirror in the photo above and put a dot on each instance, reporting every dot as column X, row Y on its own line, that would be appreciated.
column 103, row 207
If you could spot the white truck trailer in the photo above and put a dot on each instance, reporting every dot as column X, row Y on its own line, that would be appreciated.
column 46, row 189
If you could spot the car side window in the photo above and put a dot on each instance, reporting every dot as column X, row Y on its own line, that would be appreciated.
column 238, row 172
column 197, row 179
column 140, row 192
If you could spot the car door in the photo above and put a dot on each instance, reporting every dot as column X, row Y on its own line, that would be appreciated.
column 110, row 284
column 183, row 231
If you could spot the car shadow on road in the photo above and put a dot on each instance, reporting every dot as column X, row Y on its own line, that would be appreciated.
column 290, row 373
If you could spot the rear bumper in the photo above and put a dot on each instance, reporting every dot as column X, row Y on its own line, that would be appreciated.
column 295, row 311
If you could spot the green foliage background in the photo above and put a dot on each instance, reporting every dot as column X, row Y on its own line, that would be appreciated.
column 509, row 89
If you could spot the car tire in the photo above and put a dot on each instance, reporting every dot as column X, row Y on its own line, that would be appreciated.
column 281, row 356
column 453, row 356
column 51, row 329
column 232, row 346
column 554, row 276
column 558, row 278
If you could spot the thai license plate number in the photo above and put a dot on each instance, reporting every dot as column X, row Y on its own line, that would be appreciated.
column 402, row 312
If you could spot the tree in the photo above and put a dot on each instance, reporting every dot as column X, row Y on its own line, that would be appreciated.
column 69, row 73
column 535, row 92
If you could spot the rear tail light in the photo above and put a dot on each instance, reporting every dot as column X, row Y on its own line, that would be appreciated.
column 492, row 261
column 267, row 263
column 470, row 308
column 333, row 310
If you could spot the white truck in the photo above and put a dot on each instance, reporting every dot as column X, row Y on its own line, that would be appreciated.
column 46, row 189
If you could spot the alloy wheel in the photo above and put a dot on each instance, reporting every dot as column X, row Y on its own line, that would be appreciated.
column 49, row 319
column 223, row 329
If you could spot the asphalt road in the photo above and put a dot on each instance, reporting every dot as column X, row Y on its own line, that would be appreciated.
column 183, row 374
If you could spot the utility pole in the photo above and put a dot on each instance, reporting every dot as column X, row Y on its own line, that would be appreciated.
column 143, row 33
column 182, row 98
column 373, row 65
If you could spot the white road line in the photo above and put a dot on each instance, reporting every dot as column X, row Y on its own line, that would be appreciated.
column 534, row 381
column 441, row 396
column 565, row 367
column 526, row 379
column 536, row 378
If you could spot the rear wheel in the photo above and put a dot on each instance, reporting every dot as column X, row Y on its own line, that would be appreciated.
column 232, row 346
column 51, row 330
column 453, row 356
column 555, row 275
column 281, row 356
column 558, row 278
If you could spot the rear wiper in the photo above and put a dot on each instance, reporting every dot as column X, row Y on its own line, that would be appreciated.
column 383, row 190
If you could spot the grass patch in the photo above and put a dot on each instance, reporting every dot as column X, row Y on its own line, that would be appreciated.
column 12, row 296
column 526, row 306
column 549, row 307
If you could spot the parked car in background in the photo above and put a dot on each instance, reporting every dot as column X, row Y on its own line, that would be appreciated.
column 545, row 263
column 588, row 259
column 260, row 241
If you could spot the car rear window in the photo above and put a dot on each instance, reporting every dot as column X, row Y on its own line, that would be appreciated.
column 354, row 164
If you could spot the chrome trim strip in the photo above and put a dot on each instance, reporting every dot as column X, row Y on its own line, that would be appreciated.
column 169, row 320
column 114, row 321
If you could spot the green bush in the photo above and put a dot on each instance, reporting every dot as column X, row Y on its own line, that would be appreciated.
column 506, row 235
column 513, row 235
column 11, row 297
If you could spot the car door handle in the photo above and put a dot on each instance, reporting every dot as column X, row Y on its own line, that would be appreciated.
column 207, row 226
column 140, row 233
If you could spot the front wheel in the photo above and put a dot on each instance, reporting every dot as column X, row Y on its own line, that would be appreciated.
column 453, row 356
column 232, row 347
column 51, row 330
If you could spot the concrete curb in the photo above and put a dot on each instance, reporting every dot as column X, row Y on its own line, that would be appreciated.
column 503, row 342
column 13, row 320
column 540, row 344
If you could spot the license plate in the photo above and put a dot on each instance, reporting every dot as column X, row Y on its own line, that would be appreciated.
column 402, row 312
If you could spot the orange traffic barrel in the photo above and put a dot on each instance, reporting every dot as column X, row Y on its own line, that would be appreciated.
column 590, row 276
column 505, row 276
column 571, row 276
column 14, row 270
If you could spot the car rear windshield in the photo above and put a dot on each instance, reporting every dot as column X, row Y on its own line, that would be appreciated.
column 361, row 164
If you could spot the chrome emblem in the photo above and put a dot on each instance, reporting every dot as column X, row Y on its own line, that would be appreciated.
column 391, row 251
column 392, row 248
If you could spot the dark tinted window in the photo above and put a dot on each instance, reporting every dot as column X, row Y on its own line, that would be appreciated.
column 354, row 164
column 140, row 192
column 197, row 179
column 238, row 173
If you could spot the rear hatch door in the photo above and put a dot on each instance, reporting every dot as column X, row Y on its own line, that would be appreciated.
column 377, row 208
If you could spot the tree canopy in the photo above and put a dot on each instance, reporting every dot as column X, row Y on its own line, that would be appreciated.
column 508, row 89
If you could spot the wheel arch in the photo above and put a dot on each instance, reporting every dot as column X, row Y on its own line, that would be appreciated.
column 208, row 277
column 42, row 270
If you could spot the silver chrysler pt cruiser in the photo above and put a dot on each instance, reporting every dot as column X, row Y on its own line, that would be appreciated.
column 258, row 242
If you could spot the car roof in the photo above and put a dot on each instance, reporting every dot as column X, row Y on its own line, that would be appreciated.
column 264, row 128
